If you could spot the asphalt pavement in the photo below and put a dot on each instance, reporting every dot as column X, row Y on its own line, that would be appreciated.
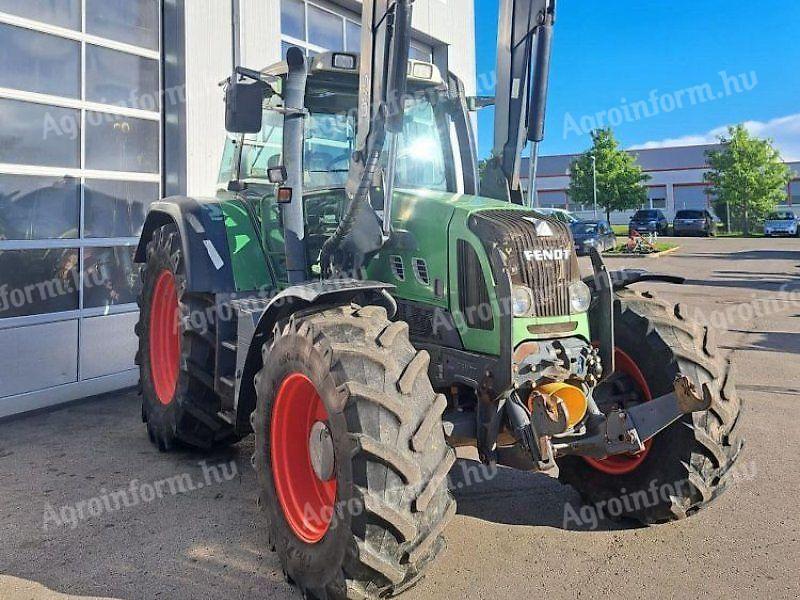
column 192, row 530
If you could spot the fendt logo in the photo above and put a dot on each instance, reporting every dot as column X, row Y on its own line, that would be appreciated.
column 540, row 255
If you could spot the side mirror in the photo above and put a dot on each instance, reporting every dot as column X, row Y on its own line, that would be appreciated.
column 243, row 106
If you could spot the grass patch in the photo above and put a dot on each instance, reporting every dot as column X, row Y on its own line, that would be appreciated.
column 620, row 230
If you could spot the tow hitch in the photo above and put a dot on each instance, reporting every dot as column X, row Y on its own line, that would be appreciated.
column 626, row 431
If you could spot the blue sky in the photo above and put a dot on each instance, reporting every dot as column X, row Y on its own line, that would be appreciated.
column 608, row 57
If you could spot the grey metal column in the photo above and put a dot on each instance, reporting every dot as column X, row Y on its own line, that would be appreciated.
column 293, row 139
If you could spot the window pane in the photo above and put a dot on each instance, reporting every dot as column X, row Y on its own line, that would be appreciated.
column 119, row 78
column 129, row 21
column 353, row 37
column 38, row 281
column 37, row 134
column 420, row 157
column 110, row 276
column 37, row 62
column 417, row 53
column 794, row 192
column 263, row 150
column 325, row 29
column 64, row 13
column 115, row 143
column 293, row 19
column 36, row 208
column 116, row 208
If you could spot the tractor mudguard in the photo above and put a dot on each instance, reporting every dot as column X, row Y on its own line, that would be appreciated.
column 257, row 318
column 201, row 224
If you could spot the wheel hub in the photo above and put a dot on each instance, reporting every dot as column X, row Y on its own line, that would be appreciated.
column 320, row 449
column 622, row 464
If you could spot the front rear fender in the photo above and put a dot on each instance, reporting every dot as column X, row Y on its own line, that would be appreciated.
column 201, row 224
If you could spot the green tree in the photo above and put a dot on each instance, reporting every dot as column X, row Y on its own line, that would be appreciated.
column 620, row 181
column 747, row 177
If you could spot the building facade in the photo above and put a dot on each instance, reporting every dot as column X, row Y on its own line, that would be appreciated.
column 106, row 106
column 676, row 182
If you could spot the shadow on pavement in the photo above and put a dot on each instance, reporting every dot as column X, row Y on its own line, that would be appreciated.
column 769, row 341
column 744, row 255
column 510, row 497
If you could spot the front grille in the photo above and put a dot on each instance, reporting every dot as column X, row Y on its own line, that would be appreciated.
column 544, row 261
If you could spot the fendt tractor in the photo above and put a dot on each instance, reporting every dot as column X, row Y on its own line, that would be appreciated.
column 358, row 299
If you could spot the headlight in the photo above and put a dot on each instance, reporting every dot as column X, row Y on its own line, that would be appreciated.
column 580, row 296
column 522, row 298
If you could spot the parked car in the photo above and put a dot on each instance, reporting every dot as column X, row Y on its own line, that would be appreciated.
column 649, row 221
column 593, row 233
column 781, row 222
column 694, row 222
column 560, row 214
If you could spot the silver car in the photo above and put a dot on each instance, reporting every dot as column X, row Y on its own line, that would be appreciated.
column 781, row 222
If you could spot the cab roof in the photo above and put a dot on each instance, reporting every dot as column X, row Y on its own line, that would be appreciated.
column 348, row 63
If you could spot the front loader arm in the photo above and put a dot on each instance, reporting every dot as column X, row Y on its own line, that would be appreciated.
column 385, row 43
column 524, row 39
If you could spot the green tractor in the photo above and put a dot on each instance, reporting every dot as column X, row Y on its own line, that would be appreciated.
column 351, row 299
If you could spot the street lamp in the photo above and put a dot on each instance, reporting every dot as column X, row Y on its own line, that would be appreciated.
column 594, row 183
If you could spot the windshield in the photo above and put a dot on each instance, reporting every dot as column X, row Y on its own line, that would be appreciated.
column 421, row 153
column 689, row 214
column 423, row 158
column 584, row 228
column 646, row 214
column 783, row 215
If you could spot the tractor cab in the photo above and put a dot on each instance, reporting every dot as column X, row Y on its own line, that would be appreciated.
column 252, row 162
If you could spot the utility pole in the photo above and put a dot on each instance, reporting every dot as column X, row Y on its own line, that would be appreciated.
column 594, row 182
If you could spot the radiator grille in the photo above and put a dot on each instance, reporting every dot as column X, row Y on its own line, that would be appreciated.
column 540, row 255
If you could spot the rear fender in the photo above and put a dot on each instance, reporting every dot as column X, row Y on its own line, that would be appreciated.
column 201, row 224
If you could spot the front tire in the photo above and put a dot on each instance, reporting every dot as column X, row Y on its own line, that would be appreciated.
column 687, row 465
column 176, row 353
column 373, row 522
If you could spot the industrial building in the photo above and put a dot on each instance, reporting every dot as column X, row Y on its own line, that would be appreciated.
column 676, row 181
column 105, row 106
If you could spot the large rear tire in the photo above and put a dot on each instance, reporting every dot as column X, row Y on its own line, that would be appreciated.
column 176, row 353
column 374, row 522
column 687, row 465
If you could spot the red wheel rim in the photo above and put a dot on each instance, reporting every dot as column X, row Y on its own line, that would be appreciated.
column 306, row 500
column 165, row 342
column 622, row 464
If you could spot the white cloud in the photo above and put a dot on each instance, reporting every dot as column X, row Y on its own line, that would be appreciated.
column 785, row 131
